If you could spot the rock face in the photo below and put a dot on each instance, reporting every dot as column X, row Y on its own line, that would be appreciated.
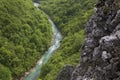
column 100, row 59
column 65, row 73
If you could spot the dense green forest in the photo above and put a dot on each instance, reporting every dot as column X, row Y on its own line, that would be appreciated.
column 25, row 34
column 70, row 17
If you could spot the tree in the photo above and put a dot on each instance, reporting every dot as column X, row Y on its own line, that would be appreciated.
column 5, row 73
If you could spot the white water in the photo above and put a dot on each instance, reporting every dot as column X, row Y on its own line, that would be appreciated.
column 34, row 74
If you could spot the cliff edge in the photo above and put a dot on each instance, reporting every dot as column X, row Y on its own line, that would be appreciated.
column 100, row 58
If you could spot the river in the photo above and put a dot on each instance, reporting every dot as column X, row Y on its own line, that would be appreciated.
column 35, row 72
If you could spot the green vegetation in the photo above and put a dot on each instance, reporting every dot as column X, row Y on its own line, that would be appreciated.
column 5, row 73
column 35, row 0
column 25, row 34
column 70, row 17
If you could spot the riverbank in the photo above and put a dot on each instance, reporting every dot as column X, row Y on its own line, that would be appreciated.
column 34, row 72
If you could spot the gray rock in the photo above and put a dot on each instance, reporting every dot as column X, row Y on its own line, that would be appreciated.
column 65, row 73
column 100, row 58
column 105, row 55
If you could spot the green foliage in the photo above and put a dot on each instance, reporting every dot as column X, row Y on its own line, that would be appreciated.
column 5, row 73
column 67, row 54
column 25, row 33
column 70, row 17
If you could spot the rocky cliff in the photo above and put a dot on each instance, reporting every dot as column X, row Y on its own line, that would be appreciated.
column 100, row 58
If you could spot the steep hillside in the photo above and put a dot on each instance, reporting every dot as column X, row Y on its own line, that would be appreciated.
column 25, row 33
column 70, row 17
column 100, row 59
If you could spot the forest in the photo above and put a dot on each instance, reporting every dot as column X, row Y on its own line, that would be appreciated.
column 59, row 39
column 70, row 16
column 25, row 34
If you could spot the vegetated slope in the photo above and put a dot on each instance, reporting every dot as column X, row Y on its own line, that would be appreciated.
column 35, row 0
column 25, row 33
column 69, row 16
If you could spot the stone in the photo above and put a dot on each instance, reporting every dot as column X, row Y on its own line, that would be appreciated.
column 100, row 57
column 105, row 55
column 65, row 73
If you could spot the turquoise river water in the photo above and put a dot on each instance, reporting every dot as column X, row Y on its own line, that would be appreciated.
column 35, row 72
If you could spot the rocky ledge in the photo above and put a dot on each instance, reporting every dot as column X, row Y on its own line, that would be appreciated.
column 100, row 58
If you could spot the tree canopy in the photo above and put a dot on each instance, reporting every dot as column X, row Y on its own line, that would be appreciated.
column 70, row 17
column 25, row 34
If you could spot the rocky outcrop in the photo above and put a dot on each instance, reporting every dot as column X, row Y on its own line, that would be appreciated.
column 100, row 58
column 65, row 73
